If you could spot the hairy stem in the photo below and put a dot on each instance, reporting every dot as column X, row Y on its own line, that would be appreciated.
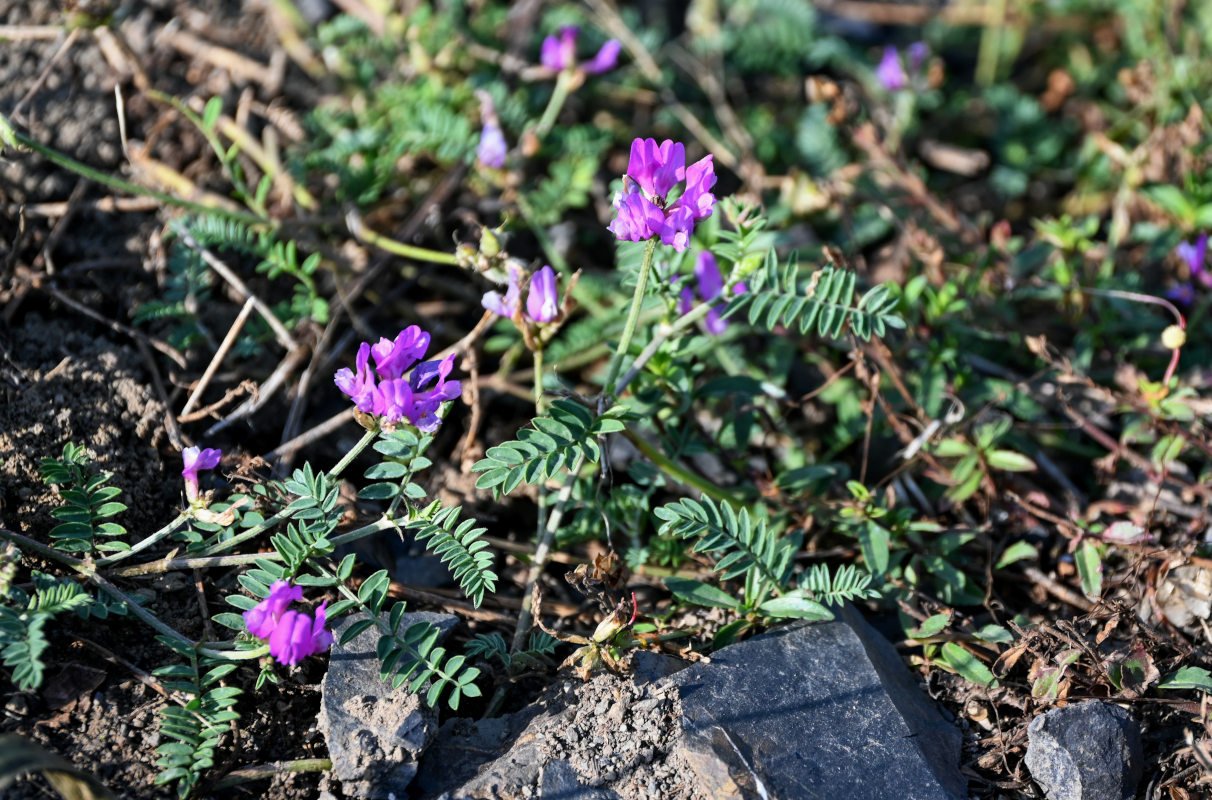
column 680, row 473
column 146, row 543
column 526, row 617
column 558, row 97
column 637, row 301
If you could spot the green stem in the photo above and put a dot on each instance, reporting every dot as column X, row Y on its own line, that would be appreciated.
column 208, row 562
column 146, row 543
column 353, row 453
column 84, row 170
column 526, row 617
column 87, row 571
column 257, row 530
column 558, row 97
column 637, row 301
column 399, row 248
column 680, row 473
column 240, row 776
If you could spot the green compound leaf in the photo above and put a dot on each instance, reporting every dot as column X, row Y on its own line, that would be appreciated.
column 552, row 444
column 826, row 306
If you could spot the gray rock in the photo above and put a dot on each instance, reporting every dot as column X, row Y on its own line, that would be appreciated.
column 561, row 782
column 649, row 667
column 815, row 711
column 375, row 734
column 1087, row 751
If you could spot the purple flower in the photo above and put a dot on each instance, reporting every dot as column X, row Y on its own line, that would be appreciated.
column 638, row 219
column 298, row 636
column 918, row 53
column 890, row 72
column 605, row 60
column 644, row 206
column 262, row 619
column 559, row 53
column 543, row 301
column 508, row 305
column 1194, row 255
column 386, row 393
column 492, row 149
column 196, row 459
column 710, row 285
column 1183, row 294
column 292, row 635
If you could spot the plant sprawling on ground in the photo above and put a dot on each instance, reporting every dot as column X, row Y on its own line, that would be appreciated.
column 731, row 305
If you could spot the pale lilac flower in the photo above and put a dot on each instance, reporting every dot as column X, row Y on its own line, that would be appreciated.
column 262, row 619
column 543, row 301
column 385, row 392
column 890, row 72
column 511, row 302
column 493, row 148
column 644, row 206
column 197, row 459
column 559, row 53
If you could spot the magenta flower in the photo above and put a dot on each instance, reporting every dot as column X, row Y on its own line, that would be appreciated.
column 645, row 208
column 298, row 636
column 493, row 148
column 197, row 459
column 262, row 619
column 385, row 392
column 542, row 300
column 890, row 72
column 292, row 635
column 710, row 286
column 559, row 53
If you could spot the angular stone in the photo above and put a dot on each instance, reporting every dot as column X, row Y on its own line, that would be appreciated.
column 561, row 781
column 1087, row 751
column 375, row 734
column 825, row 710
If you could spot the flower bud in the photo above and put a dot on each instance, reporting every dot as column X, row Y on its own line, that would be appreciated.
column 1174, row 337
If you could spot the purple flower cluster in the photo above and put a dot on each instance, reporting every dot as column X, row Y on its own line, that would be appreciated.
column 542, row 299
column 386, row 393
column 292, row 635
column 644, row 206
column 1194, row 255
column 196, row 459
column 710, row 285
column 891, row 72
column 560, row 53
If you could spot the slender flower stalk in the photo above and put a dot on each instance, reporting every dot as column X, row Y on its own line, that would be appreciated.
column 637, row 301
